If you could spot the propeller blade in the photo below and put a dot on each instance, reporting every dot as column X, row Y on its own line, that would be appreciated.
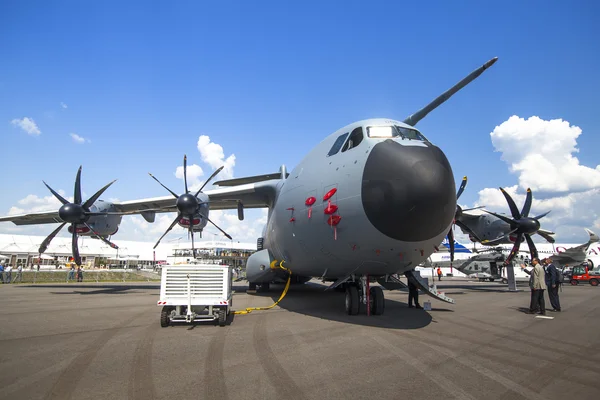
column 502, row 217
column 532, row 250
column 473, row 208
column 463, row 184
column 51, row 236
column 108, row 242
column 527, row 205
column 169, row 190
column 450, row 237
column 58, row 196
column 77, row 191
column 222, row 231
column 511, row 204
column 546, row 236
column 185, row 174
column 168, row 229
column 74, row 246
column 514, row 250
column 542, row 215
column 209, row 179
column 191, row 230
column 88, row 203
column 240, row 209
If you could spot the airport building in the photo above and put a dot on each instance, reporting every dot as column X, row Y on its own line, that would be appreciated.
column 23, row 250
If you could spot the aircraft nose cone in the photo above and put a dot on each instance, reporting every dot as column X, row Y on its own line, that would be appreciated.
column 187, row 204
column 408, row 192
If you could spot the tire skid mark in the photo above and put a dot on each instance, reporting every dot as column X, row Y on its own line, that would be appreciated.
column 480, row 369
column 280, row 380
column 69, row 379
column 214, row 375
column 50, row 335
column 439, row 379
column 506, row 348
column 539, row 346
column 141, row 382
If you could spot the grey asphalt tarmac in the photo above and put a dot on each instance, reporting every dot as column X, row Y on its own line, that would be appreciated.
column 105, row 342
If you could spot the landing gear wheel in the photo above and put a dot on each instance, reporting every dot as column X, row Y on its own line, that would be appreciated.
column 594, row 282
column 574, row 282
column 377, row 302
column 352, row 300
column 251, row 288
column 222, row 317
column 165, row 319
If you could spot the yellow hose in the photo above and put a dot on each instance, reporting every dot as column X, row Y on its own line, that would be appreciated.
column 287, row 286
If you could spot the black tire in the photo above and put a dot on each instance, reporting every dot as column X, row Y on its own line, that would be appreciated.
column 491, row 279
column 165, row 319
column 594, row 282
column 504, row 281
column 352, row 300
column 377, row 300
column 574, row 282
column 222, row 317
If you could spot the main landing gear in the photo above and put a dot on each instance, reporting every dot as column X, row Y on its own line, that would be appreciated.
column 359, row 293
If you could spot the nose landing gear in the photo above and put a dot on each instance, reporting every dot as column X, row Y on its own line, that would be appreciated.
column 359, row 293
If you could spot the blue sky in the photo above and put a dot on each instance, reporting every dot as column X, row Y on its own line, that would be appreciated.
column 268, row 80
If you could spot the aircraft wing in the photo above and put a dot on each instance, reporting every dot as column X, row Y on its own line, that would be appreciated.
column 252, row 195
column 44, row 217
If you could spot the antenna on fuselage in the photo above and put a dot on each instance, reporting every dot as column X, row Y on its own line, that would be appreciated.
column 422, row 113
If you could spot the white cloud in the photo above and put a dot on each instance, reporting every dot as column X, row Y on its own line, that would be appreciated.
column 79, row 139
column 194, row 172
column 63, row 105
column 541, row 154
column 213, row 155
column 28, row 125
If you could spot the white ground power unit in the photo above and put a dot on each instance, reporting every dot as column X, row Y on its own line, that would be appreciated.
column 193, row 292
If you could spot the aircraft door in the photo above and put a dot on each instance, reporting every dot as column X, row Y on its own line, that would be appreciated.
column 493, row 268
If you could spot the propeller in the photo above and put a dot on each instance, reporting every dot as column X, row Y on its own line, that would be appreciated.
column 450, row 235
column 187, row 205
column 522, row 225
column 76, row 213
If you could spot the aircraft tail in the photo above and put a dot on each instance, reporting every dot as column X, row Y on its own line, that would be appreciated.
column 422, row 113
column 593, row 237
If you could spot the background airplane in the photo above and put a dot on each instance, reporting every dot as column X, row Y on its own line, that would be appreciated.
column 374, row 198
column 490, row 261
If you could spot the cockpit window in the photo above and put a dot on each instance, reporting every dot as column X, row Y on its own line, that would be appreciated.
column 394, row 131
column 354, row 140
column 338, row 144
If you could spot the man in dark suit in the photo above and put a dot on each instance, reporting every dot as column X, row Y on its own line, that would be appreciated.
column 553, row 282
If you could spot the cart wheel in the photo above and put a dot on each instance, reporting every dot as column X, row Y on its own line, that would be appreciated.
column 222, row 317
column 165, row 319
column 594, row 282
column 574, row 282
column 504, row 281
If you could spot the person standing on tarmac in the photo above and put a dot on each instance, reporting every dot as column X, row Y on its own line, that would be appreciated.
column 538, row 286
column 552, row 279
column 439, row 273
column 413, row 295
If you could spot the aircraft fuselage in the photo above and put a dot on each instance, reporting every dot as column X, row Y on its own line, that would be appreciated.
column 377, row 208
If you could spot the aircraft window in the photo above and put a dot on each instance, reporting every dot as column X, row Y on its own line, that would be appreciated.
column 354, row 140
column 412, row 134
column 394, row 131
column 381, row 131
column 337, row 145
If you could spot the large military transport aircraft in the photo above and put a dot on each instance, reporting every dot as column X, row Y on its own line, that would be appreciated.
column 372, row 200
